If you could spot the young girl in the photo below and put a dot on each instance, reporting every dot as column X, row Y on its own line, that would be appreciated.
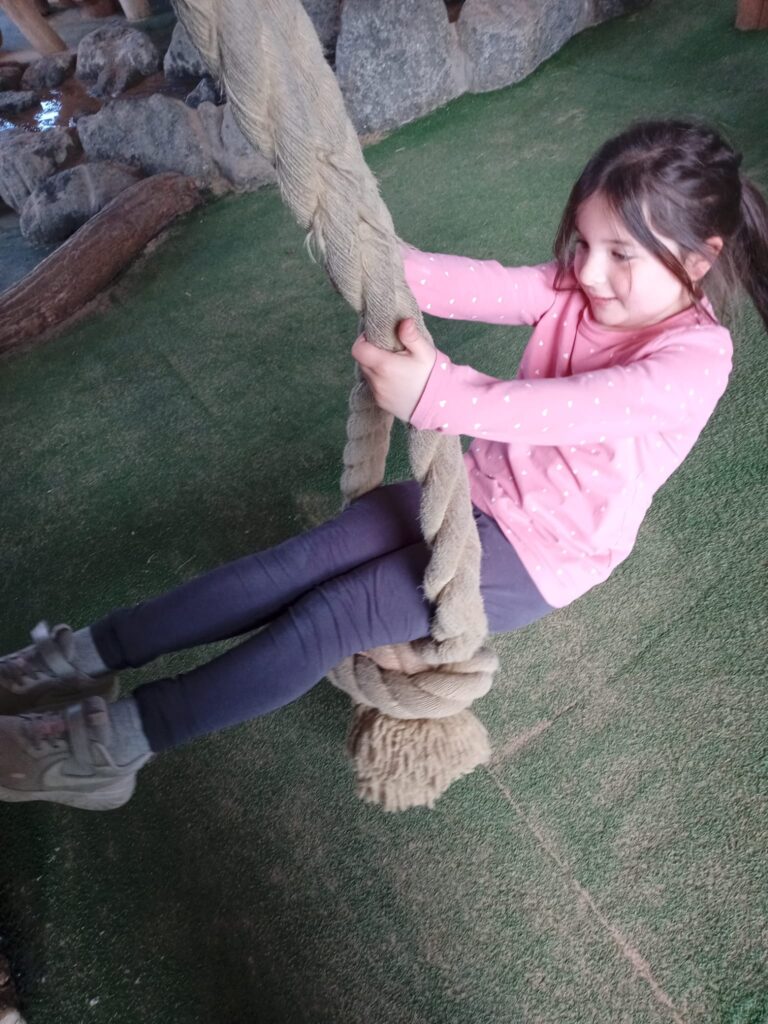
column 624, row 367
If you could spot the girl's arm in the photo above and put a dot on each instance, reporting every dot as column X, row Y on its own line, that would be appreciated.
column 461, row 288
column 668, row 389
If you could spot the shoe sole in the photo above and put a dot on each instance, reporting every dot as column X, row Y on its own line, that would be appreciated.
column 110, row 797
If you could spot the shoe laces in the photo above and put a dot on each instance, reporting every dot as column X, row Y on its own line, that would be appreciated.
column 18, row 670
column 83, row 730
column 14, row 669
column 47, row 659
column 46, row 730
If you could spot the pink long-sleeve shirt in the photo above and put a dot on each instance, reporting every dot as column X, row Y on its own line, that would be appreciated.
column 568, row 455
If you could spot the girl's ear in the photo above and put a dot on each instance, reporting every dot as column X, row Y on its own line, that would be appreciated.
column 697, row 265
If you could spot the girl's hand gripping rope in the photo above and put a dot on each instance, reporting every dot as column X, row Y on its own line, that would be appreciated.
column 397, row 379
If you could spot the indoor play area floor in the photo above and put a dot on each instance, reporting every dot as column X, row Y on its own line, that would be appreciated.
column 609, row 865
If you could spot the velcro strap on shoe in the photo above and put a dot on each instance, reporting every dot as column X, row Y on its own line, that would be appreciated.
column 50, row 653
column 78, row 734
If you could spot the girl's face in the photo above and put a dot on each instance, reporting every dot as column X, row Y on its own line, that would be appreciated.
column 627, row 287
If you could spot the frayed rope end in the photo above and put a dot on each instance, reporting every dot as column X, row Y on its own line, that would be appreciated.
column 404, row 763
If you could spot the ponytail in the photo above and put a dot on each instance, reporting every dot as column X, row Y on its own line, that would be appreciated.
column 750, row 244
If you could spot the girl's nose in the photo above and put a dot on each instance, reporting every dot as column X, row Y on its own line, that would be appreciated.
column 593, row 272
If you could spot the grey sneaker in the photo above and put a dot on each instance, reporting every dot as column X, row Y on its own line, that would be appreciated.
column 63, row 756
column 43, row 674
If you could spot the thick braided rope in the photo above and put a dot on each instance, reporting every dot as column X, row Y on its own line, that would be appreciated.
column 396, row 681
column 287, row 103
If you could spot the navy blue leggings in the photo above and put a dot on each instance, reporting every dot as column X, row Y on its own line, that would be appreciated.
column 352, row 583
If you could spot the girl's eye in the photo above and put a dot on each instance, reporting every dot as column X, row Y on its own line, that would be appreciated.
column 621, row 257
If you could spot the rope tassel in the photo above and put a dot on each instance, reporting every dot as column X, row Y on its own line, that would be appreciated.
column 411, row 735
column 402, row 763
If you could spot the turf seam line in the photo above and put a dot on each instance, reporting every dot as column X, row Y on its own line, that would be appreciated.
column 524, row 739
column 638, row 963
column 662, row 633
column 178, row 375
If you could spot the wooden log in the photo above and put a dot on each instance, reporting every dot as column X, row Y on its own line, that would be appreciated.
column 751, row 14
column 85, row 264
column 27, row 18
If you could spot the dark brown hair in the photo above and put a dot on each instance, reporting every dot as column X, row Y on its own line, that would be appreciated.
column 688, row 179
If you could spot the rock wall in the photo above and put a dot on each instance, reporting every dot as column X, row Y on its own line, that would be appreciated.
column 398, row 60
column 395, row 60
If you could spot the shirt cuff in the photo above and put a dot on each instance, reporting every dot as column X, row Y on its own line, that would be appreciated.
column 428, row 414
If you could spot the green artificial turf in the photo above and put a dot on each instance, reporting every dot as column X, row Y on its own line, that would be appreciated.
column 610, row 864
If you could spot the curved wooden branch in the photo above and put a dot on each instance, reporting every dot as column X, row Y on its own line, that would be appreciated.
column 85, row 264
column 30, row 22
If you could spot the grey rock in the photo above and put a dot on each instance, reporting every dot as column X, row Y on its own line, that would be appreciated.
column 14, row 102
column 505, row 40
column 114, row 57
column 10, row 76
column 242, row 166
column 66, row 200
column 396, row 61
column 326, row 17
column 206, row 91
column 182, row 58
column 28, row 158
column 48, row 72
column 157, row 133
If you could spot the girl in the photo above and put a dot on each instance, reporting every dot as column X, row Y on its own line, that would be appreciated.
column 624, row 367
